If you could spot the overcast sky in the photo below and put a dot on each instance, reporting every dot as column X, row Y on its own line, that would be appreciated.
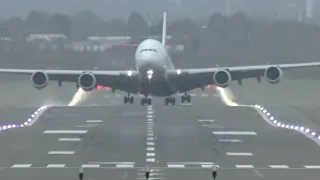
column 104, row 7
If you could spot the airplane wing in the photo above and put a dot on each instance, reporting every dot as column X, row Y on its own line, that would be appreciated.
column 121, row 80
column 188, row 79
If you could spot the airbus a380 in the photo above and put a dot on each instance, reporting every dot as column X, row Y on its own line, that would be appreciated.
column 155, row 75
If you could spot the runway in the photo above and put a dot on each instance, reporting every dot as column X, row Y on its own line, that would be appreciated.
column 178, row 142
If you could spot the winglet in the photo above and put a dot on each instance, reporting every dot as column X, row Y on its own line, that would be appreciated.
column 164, row 28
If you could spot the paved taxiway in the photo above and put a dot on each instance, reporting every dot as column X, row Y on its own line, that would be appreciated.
column 179, row 141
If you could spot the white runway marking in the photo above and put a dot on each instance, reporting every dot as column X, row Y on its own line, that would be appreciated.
column 150, row 112
column 150, row 148
column 150, row 143
column 65, row 131
column 69, row 139
column 278, row 166
column 125, row 166
column 85, row 126
column 56, row 165
column 204, row 95
column 229, row 140
column 239, row 154
column 191, row 163
column 312, row 167
column 61, row 152
column 206, row 120
column 151, row 154
column 90, row 165
column 151, row 160
column 234, row 132
column 150, row 138
column 93, row 121
column 149, row 116
column 206, row 165
column 175, row 165
column 244, row 166
column 110, row 162
column 150, row 134
column 21, row 165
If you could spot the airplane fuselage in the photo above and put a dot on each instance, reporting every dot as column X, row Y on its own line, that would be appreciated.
column 152, row 63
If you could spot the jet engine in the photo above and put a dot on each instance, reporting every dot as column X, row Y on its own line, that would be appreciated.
column 87, row 81
column 273, row 74
column 222, row 78
column 39, row 79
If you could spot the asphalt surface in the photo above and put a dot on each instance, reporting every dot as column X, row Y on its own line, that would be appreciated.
column 177, row 142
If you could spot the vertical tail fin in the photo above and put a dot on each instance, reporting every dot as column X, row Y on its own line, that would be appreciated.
column 164, row 28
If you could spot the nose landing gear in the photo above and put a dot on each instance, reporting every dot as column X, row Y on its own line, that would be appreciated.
column 128, row 99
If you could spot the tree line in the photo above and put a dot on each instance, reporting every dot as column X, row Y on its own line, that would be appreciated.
column 222, row 41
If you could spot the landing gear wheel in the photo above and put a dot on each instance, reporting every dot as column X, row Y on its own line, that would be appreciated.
column 128, row 99
column 186, row 98
column 168, row 100
column 145, row 101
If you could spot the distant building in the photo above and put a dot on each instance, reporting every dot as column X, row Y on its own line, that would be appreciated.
column 45, row 37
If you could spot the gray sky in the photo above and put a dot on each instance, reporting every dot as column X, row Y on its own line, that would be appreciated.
column 101, row 7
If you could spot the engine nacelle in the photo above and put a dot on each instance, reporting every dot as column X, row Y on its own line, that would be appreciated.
column 273, row 74
column 87, row 81
column 39, row 79
column 222, row 78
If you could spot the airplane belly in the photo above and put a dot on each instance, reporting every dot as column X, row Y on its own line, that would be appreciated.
column 158, row 88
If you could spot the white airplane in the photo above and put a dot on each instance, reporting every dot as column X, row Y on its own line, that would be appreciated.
column 155, row 75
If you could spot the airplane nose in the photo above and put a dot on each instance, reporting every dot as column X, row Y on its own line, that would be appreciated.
column 147, row 61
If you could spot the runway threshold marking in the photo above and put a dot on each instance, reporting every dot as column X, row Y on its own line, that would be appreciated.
column 61, row 152
column 239, row 154
column 230, row 140
column 244, row 166
column 176, row 165
column 69, row 139
column 312, row 167
column 279, row 166
column 90, row 165
column 93, row 121
column 21, row 165
column 65, row 131
column 125, row 165
column 56, row 165
column 234, row 132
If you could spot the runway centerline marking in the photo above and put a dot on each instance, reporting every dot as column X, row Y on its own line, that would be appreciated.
column 151, row 160
column 151, row 154
column 239, row 154
column 65, row 131
column 234, row 132
column 150, row 148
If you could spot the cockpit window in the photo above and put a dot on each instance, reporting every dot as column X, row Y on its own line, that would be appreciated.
column 148, row 50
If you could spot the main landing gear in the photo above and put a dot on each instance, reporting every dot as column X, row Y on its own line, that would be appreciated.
column 128, row 99
column 185, row 97
column 145, row 100
column 170, row 99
